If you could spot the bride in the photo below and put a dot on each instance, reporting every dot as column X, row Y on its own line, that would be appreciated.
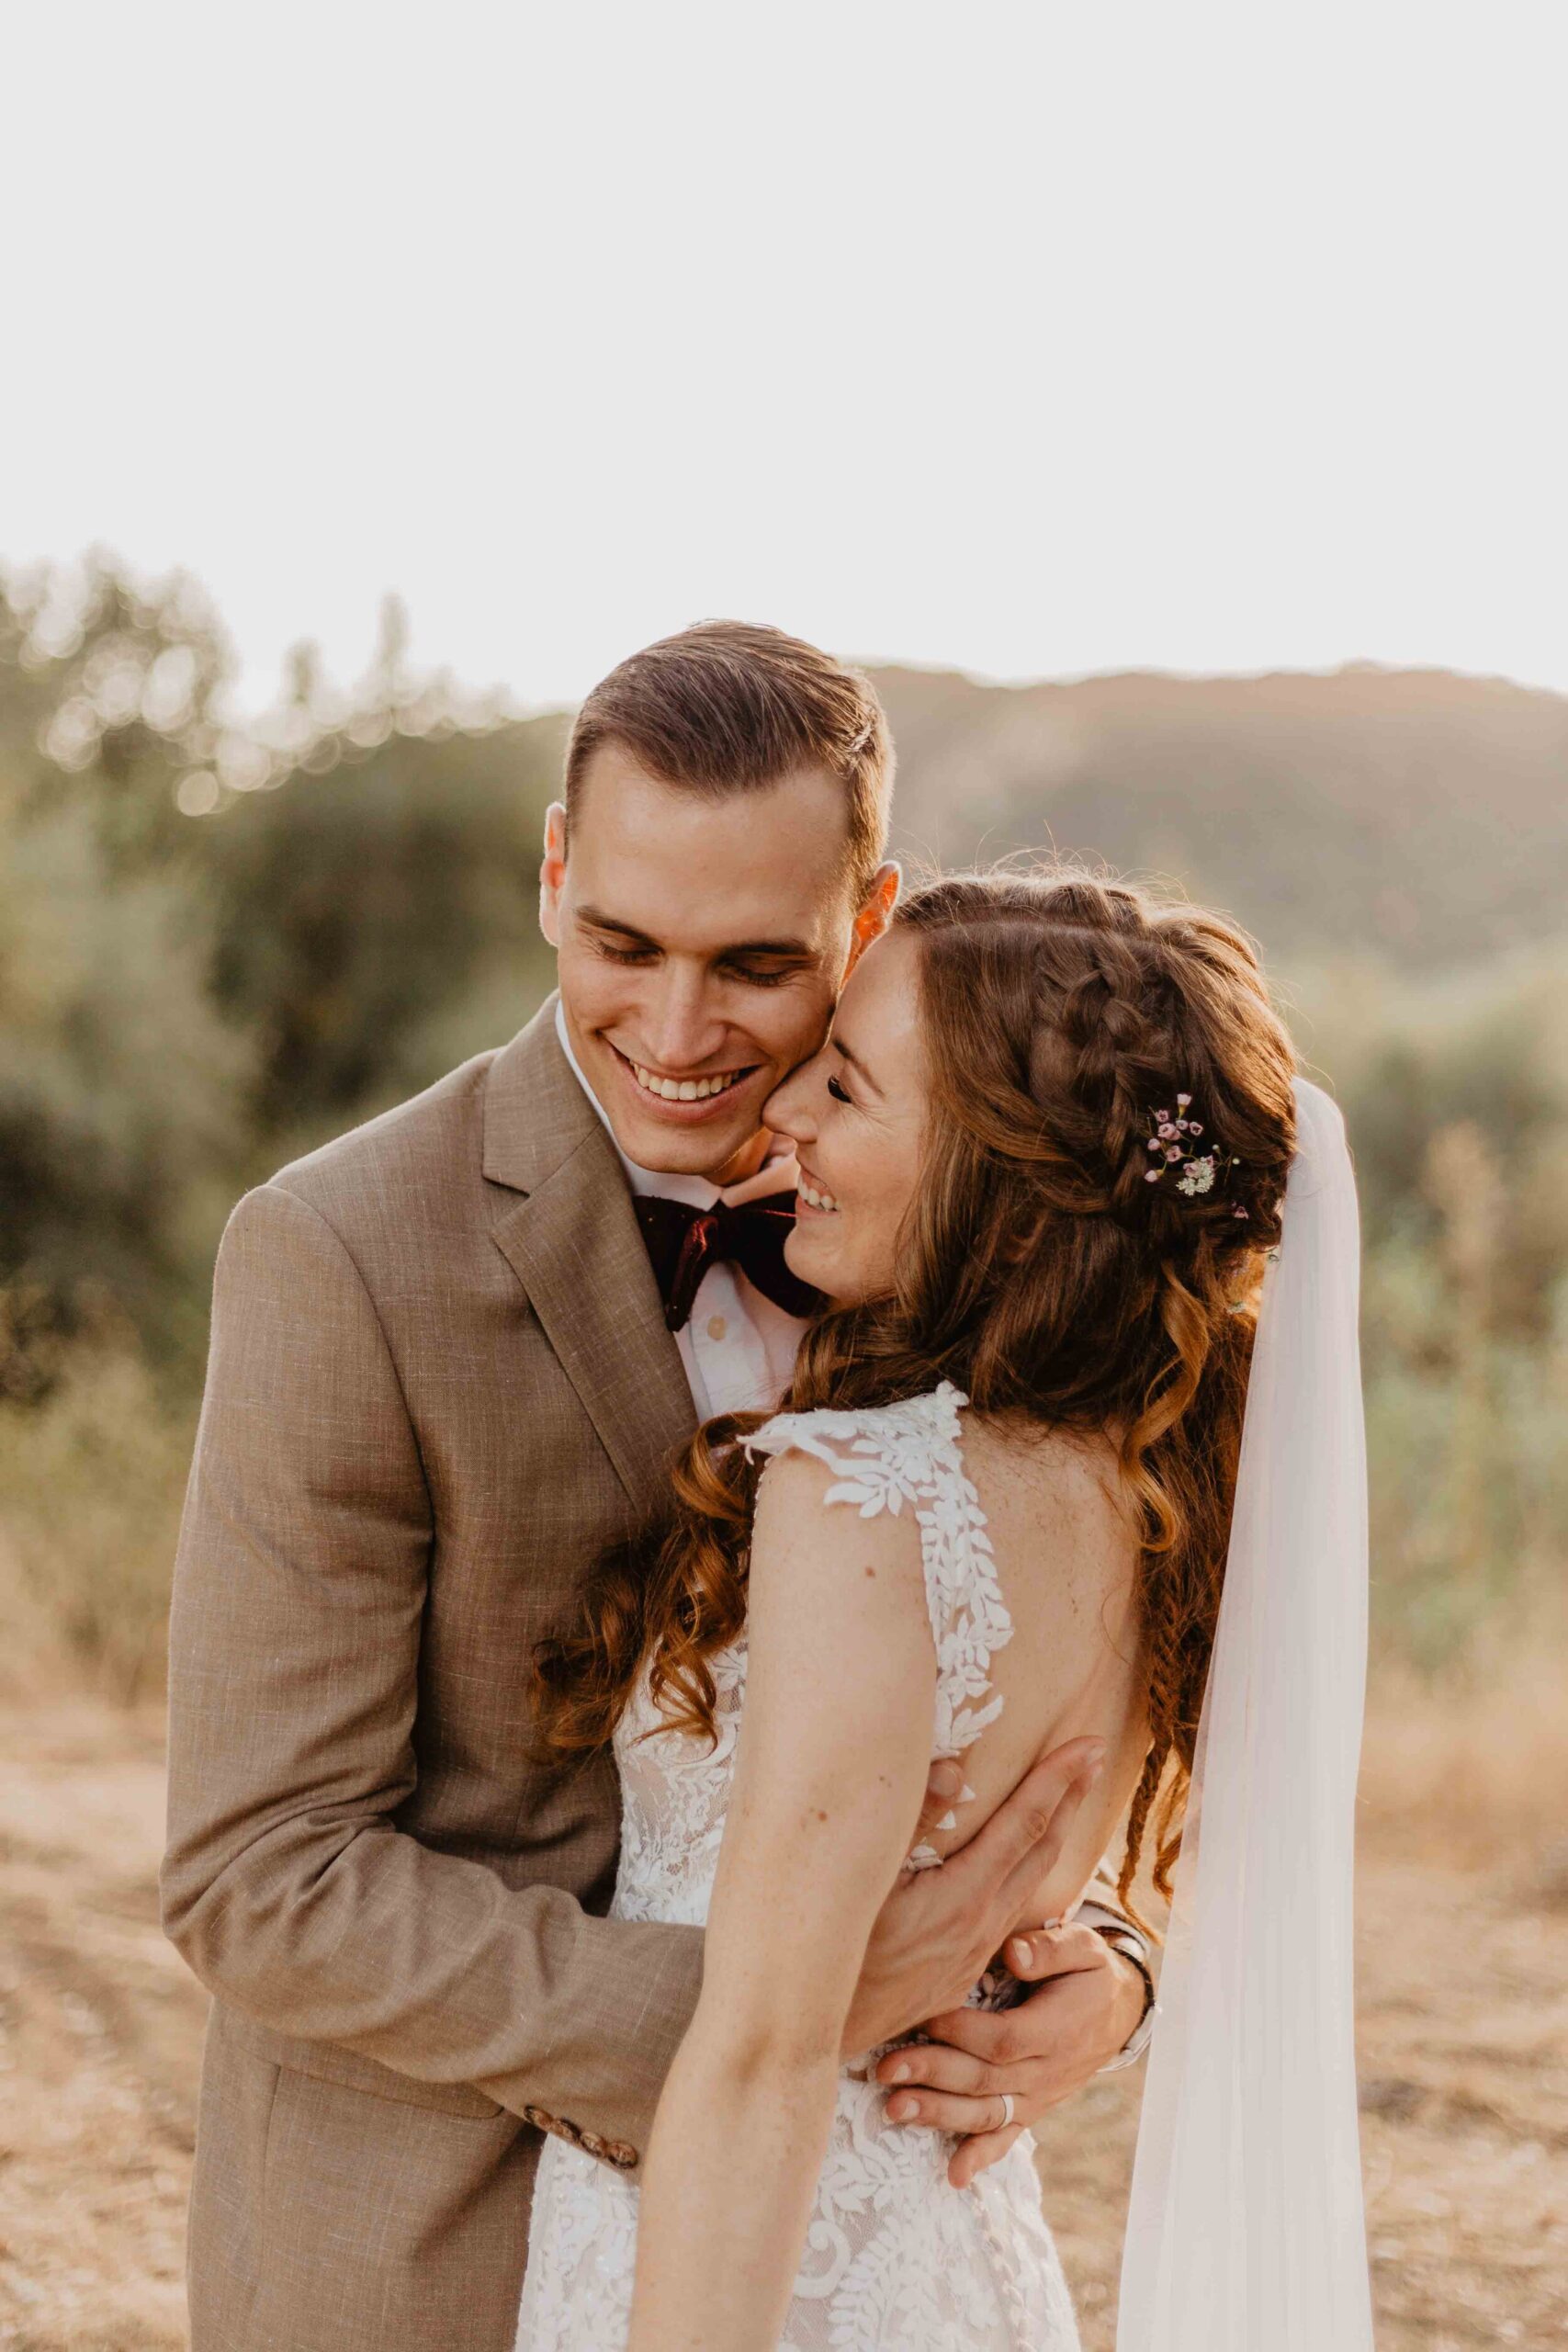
column 1046, row 1157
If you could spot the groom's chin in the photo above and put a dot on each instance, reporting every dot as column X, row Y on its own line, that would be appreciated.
column 684, row 1147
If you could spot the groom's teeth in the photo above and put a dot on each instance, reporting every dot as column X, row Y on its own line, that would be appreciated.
column 685, row 1089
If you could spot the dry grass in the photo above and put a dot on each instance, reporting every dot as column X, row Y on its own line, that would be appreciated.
column 1463, row 1962
column 90, row 1485
column 1471, row 1774
column 1462, row 2034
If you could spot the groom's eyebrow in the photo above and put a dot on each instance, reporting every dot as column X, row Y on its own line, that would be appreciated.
column 769, row 947
column 597, row 919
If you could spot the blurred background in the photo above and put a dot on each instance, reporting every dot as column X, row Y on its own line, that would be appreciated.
column 1168, row 411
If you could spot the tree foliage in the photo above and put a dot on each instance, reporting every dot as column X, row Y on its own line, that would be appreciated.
column 219, row 944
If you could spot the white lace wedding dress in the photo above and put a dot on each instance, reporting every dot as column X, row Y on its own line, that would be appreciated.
column 896, row 2259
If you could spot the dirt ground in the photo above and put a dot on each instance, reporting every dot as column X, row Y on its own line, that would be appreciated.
column 1463, row 1971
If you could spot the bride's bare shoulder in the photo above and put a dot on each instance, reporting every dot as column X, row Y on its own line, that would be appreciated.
column 833, row 1505
column 835, row 1590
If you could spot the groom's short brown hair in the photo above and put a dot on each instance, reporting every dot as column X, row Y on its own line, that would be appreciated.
column 729, row 706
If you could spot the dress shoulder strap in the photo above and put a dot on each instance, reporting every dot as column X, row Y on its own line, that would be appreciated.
column 890, row 1453
column 910, row 1453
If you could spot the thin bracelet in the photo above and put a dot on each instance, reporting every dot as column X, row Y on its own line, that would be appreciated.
column 1117, row 1939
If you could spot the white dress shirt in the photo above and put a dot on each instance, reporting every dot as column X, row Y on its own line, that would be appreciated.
column 738, row 1347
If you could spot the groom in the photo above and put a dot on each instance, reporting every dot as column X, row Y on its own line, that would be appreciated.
column 443, row 1373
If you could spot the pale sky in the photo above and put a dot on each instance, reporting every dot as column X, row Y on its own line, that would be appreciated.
column 1033, row 340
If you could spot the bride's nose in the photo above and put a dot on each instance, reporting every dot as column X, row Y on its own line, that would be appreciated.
column 788, row 1111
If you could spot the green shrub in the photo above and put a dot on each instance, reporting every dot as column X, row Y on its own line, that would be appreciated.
column 91, row 1484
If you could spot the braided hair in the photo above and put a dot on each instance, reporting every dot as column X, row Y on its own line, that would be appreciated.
column 1041, row 1271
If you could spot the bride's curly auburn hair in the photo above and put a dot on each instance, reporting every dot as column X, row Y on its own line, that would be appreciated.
column 1040, row 1271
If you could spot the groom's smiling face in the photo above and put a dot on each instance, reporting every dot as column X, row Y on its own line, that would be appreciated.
column 702, row 942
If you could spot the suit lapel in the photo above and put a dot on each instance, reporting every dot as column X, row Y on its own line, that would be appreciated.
column 572, row 1241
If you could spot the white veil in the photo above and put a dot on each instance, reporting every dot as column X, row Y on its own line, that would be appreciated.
column 1245, row 2230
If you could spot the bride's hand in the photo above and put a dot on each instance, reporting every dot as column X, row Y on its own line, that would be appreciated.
column 1090, row 2000
column 939, row 1929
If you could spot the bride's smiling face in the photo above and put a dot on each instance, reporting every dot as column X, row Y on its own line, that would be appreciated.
column 857, row 1115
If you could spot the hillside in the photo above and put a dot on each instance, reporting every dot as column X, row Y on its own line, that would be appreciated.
column 1417, row 814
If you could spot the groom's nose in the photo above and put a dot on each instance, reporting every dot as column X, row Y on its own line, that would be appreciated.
column 683, row 1029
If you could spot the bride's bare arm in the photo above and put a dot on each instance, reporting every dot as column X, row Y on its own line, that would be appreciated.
column 831, row 1768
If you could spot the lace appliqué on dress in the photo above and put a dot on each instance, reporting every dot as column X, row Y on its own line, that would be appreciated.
column 910, row 1453
column 896, row 2259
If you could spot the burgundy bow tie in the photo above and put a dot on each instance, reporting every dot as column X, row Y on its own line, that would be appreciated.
column 684, row 1242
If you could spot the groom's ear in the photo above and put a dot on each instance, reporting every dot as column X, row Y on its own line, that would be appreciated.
column 876, row 911
column 552, row 873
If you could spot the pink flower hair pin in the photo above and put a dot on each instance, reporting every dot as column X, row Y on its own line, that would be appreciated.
column 1174, row 1140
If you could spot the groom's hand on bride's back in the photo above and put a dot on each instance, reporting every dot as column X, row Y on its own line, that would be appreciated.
column 937, row 1935
column 940, row 1929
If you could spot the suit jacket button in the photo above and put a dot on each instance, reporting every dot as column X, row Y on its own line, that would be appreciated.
column 622, row 2154
column 591, row 2143
column 570, row 2131
column 537, row 2117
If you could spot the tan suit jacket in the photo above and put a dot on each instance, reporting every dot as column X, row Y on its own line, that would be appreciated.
column 439, row 1380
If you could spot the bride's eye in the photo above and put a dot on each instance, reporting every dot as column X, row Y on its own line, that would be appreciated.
column 837, row 1092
